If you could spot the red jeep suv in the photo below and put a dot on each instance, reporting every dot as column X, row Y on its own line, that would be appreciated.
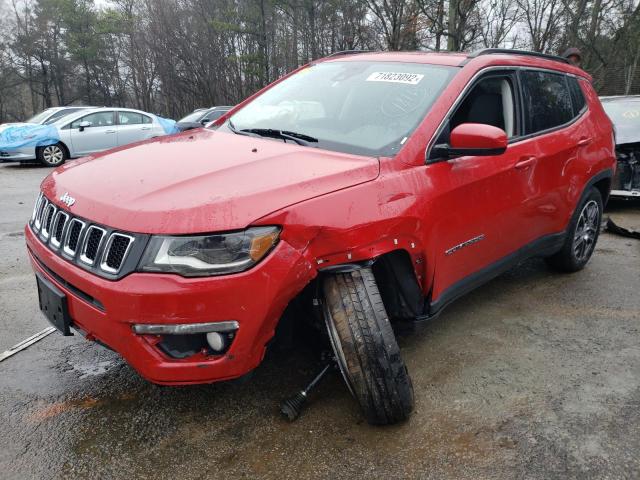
column 376, row 187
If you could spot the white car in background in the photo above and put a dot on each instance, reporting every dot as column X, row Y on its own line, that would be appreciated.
column 89, row 132
column 51, row 115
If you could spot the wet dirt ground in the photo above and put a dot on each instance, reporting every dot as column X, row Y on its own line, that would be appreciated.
column 535, row 375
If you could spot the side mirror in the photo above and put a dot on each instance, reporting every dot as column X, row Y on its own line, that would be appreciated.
column 84, row 125
column 474, row 139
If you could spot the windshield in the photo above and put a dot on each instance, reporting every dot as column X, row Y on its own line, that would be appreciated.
column 625, row 115
column 364, row 108
column 193, row 116
column 40, row 117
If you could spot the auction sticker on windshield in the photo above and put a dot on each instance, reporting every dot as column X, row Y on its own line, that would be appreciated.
column 408, row 78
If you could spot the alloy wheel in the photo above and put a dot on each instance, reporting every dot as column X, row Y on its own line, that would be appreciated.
column 586, row 230
column 52, row 154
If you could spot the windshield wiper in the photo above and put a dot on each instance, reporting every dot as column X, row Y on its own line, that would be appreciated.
column 299, row 138
column 233, row 128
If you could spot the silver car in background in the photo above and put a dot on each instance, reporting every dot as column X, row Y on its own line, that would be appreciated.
column 51, row 115
column 88, row 132
column 624, row 112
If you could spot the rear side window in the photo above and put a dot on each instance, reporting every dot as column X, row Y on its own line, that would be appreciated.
column 129, row 118
column 577, row 97
column 547, row 100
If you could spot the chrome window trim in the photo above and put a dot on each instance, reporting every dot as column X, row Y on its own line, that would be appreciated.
column 65, row 247
column 55, row 222
column 83, row 252
column 105, row 254
column 47, row 233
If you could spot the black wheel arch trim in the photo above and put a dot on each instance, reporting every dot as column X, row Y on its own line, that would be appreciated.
column 602, row 175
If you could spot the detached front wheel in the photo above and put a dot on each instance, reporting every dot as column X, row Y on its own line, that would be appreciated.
column 366, row 348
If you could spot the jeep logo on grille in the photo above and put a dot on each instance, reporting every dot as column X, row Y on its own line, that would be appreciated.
column 67, row 199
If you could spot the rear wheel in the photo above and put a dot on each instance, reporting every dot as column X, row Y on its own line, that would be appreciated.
column 52, row 155
column 582, row 234
column 366, row 348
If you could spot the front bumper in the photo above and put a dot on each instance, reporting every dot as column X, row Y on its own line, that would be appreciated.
column 25, row 154
column 106, row 310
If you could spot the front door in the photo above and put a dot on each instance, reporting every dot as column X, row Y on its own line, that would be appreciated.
column 478, row 208
column 99, row 133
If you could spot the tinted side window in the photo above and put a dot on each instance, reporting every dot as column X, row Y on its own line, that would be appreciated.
column 99, row 119
column 547, row 100
column 146, row 119
column 577, row 97
column 213, row 116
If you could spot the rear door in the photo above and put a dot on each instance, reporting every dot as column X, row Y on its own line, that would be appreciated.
column 555, row 133
column 133, row 127
column 99, row 135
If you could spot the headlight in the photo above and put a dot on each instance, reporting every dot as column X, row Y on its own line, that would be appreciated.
column 204, row 255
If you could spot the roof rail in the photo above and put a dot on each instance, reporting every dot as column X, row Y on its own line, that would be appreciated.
column 347, row 52
column 509, row 51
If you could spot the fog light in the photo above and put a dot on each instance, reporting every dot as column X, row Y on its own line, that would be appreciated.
column 216, row 341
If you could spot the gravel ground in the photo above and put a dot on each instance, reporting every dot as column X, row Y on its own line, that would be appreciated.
column 535, row 375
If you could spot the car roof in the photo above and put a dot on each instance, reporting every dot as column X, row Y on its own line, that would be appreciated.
column 72, row 117
column 57, row 109
column 476, row 60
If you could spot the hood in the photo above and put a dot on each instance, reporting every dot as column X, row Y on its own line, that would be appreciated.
column 201, row 181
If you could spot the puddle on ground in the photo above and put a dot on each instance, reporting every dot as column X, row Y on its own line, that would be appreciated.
column 93, row 369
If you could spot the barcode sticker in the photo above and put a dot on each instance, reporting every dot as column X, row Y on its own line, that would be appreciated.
column 393, row 77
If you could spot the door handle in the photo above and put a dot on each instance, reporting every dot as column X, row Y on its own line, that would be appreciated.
column 584, row 141
column 146, row 128
column 525, row 162
column 110, row 131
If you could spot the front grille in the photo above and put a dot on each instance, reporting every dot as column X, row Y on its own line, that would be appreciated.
column 93, row 247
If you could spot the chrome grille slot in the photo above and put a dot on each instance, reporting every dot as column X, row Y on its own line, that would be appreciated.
column 58, row 228
column 92, row 242
column 115, row 252
column 73, row 236
column 36, row 207
column 47, row 219
column 41, row 208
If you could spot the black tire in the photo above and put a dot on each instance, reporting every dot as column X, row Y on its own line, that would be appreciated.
column 366, row 348
column 582, row 234
column 52, row 155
